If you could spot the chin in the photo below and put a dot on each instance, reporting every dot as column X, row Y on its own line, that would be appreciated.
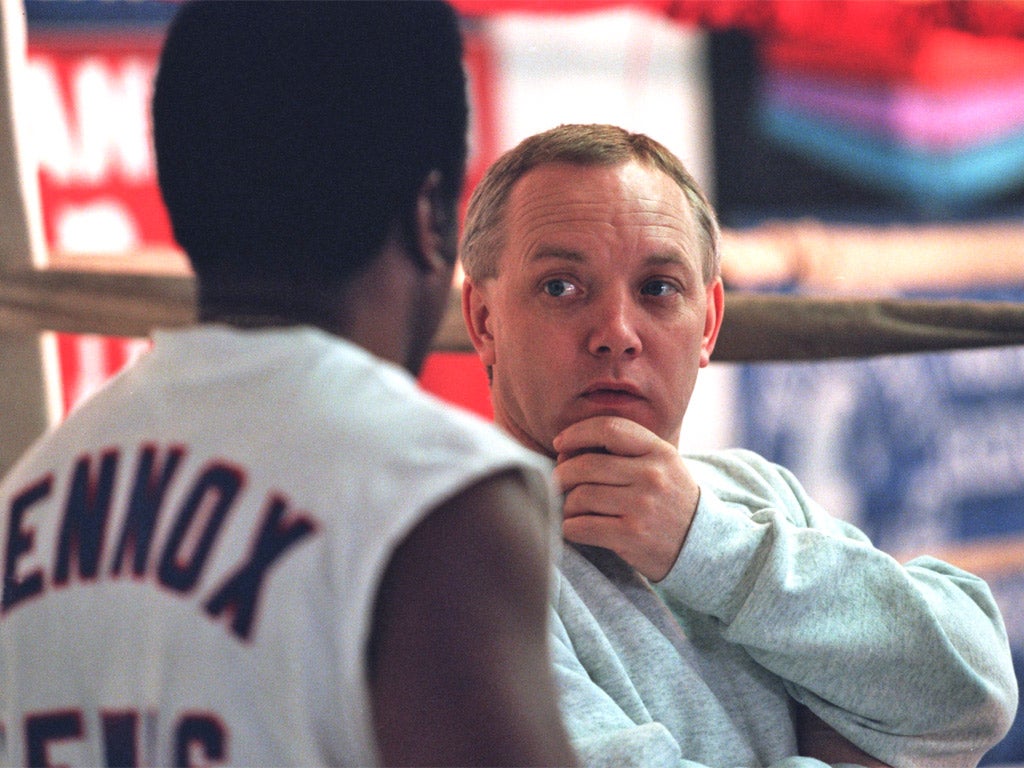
column 634, row 410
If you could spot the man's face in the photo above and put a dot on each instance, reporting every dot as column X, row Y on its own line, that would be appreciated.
column 599, row 306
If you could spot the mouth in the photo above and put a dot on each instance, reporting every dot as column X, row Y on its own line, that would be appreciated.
column 612, row 393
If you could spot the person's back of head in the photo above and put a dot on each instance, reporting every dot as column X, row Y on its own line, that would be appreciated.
column 292, row 137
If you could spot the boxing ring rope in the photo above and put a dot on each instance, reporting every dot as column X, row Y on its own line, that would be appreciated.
column 755, row 328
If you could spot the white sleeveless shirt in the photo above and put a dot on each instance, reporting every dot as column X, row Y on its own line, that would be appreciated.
column 191, row 560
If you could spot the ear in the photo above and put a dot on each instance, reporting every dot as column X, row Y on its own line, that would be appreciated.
column 712, row 319
column 476, row 312
column 434, row 231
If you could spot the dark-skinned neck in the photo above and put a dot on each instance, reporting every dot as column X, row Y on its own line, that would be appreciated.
column 372, row 309
column 271, row 305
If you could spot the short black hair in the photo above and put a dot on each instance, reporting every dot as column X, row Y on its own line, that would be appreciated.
column 291, row 136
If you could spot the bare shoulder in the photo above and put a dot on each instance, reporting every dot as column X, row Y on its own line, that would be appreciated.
column 459, row 668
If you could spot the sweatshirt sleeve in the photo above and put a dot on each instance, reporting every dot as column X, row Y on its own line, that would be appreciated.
column 612, row 728
column 910, row 662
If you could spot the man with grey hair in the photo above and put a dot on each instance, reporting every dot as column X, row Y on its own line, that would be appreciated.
column 709, row 611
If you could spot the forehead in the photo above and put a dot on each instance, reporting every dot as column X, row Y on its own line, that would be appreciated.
column 561, row 205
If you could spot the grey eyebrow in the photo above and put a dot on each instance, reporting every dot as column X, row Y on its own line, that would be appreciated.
column 566, row 254
column 560, row 254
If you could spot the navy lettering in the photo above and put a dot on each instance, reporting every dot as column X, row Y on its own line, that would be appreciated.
column 151, row 483
column 199, row 732
column 188, row 546
column 85, row 518
column 44, row 728
column 199, row 738
column 240, row 593
column 120, row 739
column 170, row 544
column 20, row 541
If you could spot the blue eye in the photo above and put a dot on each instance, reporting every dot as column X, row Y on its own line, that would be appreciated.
column 558, row 287
column 658, row 288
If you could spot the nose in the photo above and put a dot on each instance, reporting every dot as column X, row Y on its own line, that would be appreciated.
column 614, row 330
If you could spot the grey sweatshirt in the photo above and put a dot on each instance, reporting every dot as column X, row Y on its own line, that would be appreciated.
column 772, row 600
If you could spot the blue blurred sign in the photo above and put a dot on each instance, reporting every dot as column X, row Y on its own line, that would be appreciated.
column 925, row 453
